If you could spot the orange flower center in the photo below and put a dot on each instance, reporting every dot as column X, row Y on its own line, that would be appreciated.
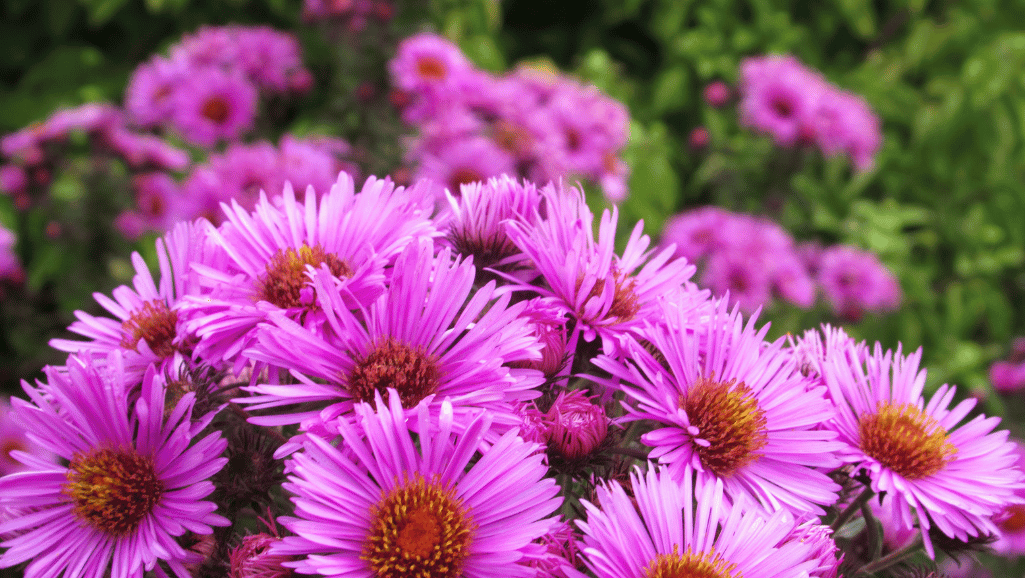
column 418, row 530
column 411, row 371
column 728, row 418
column 286, row 274
column 690, row 565
column 155, row 323
column 430, row 68
column 216, row 109
column 113, row 490
column 905, row 440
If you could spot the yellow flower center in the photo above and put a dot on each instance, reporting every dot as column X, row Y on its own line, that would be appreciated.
column 691, row 565
column 113, row 490
column 905, row 440
column 728, row 418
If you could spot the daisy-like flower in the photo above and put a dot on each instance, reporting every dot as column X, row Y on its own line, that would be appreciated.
column 395, row 504
column 932, row 468
column 147, row 328
column 134, row 477
column 729, row 406
column 429, row 334
column 666, row 530
column 212, row 105
column 605, row 293
column 271, row 251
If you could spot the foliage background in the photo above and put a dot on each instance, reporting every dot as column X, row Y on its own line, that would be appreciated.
column 944, row 207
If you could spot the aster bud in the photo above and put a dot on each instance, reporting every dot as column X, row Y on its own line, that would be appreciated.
column 253, row 559
column 699, row 138
column 717, row 94
column 576, row 425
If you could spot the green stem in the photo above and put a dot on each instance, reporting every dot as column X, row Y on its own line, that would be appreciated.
column 854, row 506
column 891, row 559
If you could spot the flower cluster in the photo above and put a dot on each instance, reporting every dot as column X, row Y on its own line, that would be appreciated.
column 798, row 106
column 566, row 410
column 240, row 173
column 755, row 260
column 207, row 89
column 33, row 154
column 531, row 122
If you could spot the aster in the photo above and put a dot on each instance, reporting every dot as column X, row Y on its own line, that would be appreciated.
column 855, row 281
column 149, row 94
column 211, row 105
column 147, row 327
column 780, row 96
column 461, row 162
column 666, row 529
column 429, row 334
column 272, row 250
column 728, row 406
column 608, row 295
column 947, row 475
column 134, row 479
column 438, row 503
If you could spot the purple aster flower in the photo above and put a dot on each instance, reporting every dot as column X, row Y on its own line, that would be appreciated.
column 211, row 105
column 445, row 505
column 1006, row 377
column 779, row 96
column 148, row 328
column 13, row 179
column 605, row 293
column 855, row 281
column 844, row 123
column 717, row 94
column 668, row 528
column 149, row 96
column 428, row 64
column 429, row 334
column 729, row 406
column 945, row 474
column 271, row 251
column 476, row 226
column 134, row 479
column 696, row 233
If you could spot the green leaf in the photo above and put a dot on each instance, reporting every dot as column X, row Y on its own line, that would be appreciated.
column 101, row 11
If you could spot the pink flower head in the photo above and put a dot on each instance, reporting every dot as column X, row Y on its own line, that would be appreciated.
column 211, row 105
column 148, row 328
column 576, row 425
column 1011, row 519
column 135, row 476
column 431, row 334
column 608, row 295
column 150, row 94
column 1007, row 377
column 462, row 162
column 14, row 437
column 272, row 251
column 428, row 64
column 730, row 407
column 445, row 504
column 779, row 96
column 673, row 528
column 9, row 264
column 933, row 469
column 855, row 281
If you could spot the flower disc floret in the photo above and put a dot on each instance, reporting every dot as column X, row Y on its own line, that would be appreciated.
column 113, row 490
column 286, row 274
column 690, row 565
column 904, row 439
column 729, row 420
column 411, row 371
column 420, row 529
column 154, row 323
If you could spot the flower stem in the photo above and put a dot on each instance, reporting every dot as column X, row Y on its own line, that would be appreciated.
column 854, row 506
column 890, row 559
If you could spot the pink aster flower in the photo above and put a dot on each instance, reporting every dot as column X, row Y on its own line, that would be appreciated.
column 855, row 281
column 933, row 469
column 134, row 479
column 148, row 328
column 428, row 63
column 271, row 251
column 1011, row 520
column 9, row 264
column 447, row 504
column 462, row 162
column 149, row 96
column 729, row 406
column 779, row 96
column 429, row 334
column 607, row 294
column 668, row 528
column 211, row 105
